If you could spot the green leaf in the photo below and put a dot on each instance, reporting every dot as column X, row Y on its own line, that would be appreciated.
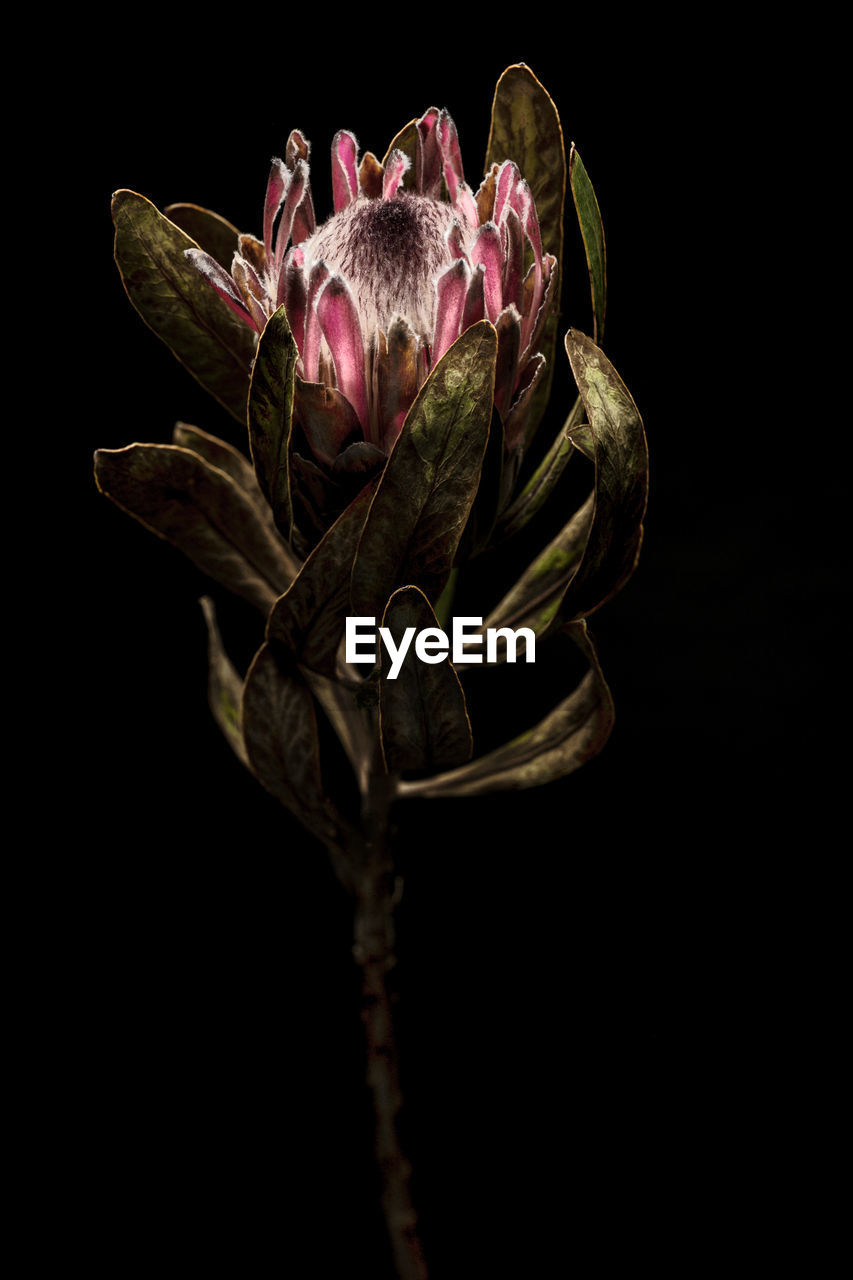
column 309, row 618
column 280, row 731
column 224, row 686
column 271, row 415
column 181, row 498
column 430, row 481
column 592, row 231
column 568, row 736
column 422, row 714
column 215, row 234
column 621, row 479
column 535, row 599
column 179, row 305
column 595, row 553
column 228, row 459
column 541, row 484
column 490, row 490
column 526, row 128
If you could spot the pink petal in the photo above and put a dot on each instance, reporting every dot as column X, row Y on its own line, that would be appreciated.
column 507, row 179
column 488, row 250
column 455, row 241
column 451, row 156
column 221, row 282
column 466, row 204
column 395, row 167
column 513, row 238
column 292, row 200
column 279, row 181
column 311, row 354
column 525, row 207
column 451, row 291
column 304, row 221
column 429, row 156
column 294, row 294
column 475, row 307
column 342, row 331
column 344, row 169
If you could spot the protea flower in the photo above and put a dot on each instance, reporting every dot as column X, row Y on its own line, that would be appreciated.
column 387, row 370
column 378, row 293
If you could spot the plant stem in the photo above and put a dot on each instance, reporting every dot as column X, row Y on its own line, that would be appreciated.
column 374, row 951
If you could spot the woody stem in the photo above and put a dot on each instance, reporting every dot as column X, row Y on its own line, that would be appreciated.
column 374, row 952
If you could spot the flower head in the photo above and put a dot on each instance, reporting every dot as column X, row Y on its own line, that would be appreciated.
column 378, row 293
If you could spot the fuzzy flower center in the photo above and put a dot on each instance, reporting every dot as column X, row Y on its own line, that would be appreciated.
column 389, row 252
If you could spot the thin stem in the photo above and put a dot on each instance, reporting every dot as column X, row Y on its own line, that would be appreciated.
column 374, row 951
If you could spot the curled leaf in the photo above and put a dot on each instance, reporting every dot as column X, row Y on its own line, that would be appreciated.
column 568, row 736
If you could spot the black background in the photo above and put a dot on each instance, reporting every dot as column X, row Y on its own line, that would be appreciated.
column 596, row 978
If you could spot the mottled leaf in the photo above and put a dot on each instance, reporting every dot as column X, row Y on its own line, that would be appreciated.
column 176, row 301
column 595, row 553
column 592, row 231
column 526, row 128
column 309, row 618
column 423, row 718
column 484, row 512
column 568, row 736
column 215, row 234
column 430, row 481
column 621, row 479
column 182, row 498
column 228, row 459
column 280, row 731
column 541, row 484
column 536, row 598
column 270, row 416
column 224, row 685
